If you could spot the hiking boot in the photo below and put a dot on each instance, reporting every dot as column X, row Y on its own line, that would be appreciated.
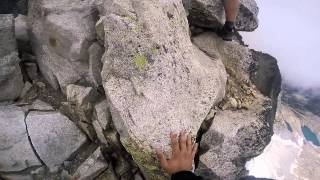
column 226, row 32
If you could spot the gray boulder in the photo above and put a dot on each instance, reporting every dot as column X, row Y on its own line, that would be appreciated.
column 234, row 138
column 243, row 125
column 54, row 137
column 92, row 167
column 16, row 153
column 109, row 174
column 101, row 111
column 80, row 95
column 21, row 33
column 155, row 79
column 21, row 28
column 95, row 64
column 11, row 81
column 210, row 14
column 61, row 36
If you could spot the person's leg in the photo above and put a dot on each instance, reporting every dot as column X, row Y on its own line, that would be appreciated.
column 231, row 10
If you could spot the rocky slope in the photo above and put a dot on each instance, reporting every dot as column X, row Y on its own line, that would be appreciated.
column 294, row 149
column 106, row 81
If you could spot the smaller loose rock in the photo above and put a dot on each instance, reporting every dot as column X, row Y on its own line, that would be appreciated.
column 32, row 70
column 233, row 102
column 41, row 106
column 92, row 167
column 81, row 95
column 26, row 88
column 99, row 132
column 100, row 29
column 109, row 174
column 21, row 28
column 102, row 114
column 95, row 64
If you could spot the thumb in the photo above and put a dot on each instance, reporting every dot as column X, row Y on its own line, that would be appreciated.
column 162, row 159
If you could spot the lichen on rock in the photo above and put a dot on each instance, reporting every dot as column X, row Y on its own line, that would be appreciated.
column 140, row 61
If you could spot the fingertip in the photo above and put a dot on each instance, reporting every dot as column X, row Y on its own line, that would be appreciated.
column 158, row 151
column 173, row 136
column 197, row 146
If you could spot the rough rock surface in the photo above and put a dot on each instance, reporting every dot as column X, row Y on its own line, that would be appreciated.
column 21, row 33
column 102, row 114
column 155, row 80
column 16, row 153
column 92, row 167
column 54, row 137
column 61, row 37
column 153, row 76
column 11, row 82
column 210, row 14
column 243, row 126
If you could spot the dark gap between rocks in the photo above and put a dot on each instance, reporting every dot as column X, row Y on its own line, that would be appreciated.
column 205, row 126
column 30, row 141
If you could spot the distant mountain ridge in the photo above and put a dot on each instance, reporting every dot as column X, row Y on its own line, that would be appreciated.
column 302, row 100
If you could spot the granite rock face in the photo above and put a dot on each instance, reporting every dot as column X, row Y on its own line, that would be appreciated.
column 11, row 82
column 210, row 14
column 54, row 137
column 61, row 37
column 127, row 73
column 16, row 153
column 156, row 80
column 243, row 126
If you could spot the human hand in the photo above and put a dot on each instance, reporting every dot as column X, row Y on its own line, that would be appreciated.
column 183, row 153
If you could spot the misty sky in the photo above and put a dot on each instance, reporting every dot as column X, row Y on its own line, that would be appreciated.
column 290, row 31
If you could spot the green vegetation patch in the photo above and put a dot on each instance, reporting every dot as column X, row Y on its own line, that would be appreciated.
column 140, row 61
column 146, row 160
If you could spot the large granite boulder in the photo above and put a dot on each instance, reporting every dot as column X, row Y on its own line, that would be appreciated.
column 16, row 153
column 61, row 36
column 155, row 79
column 11, row 81
column 210, row 14
column 243, row 125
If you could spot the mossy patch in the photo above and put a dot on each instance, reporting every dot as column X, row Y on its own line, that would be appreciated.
column 146, row 160
column 135, row 25
column 137, row 28
column 131, row 18
column 140, row 61
column 155, row 50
